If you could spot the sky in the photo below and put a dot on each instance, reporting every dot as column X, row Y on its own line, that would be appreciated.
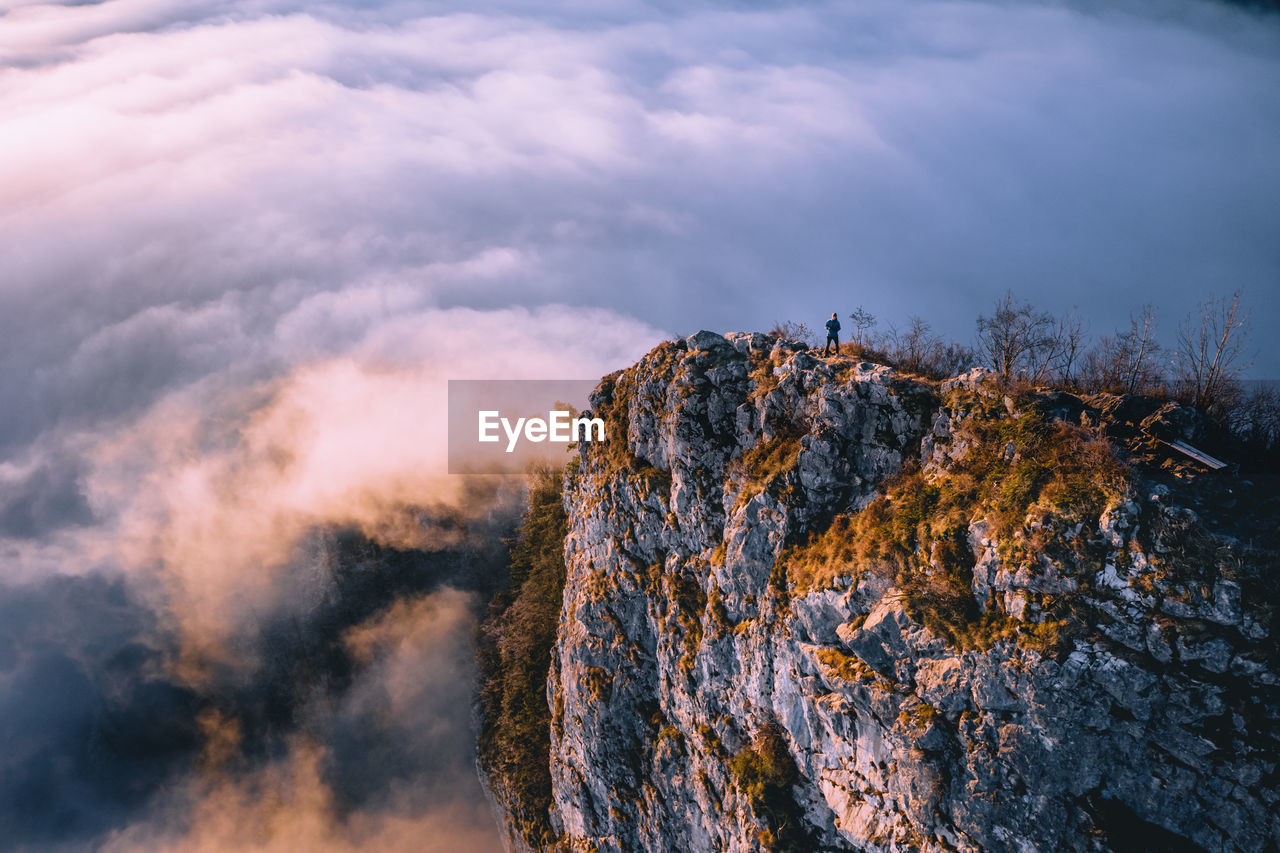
column 244, row 244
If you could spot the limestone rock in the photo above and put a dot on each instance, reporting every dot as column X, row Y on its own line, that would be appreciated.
column 681, row 649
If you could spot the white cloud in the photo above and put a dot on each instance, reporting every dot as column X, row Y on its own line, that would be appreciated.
column 199, row 199
column 244, row 242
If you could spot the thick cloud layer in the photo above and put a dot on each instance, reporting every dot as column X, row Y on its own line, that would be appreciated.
column 179, row 178
column 339, row 723
column 245, row 242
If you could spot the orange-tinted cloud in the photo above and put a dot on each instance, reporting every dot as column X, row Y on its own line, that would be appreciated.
column 415, row 665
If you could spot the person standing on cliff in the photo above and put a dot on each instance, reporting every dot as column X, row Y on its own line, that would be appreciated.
column 833, row 335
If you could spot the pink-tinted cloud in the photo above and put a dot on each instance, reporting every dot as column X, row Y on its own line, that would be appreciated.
column 210, row 490
column 245, row 242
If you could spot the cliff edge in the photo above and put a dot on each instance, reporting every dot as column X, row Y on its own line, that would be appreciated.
column 817, row 605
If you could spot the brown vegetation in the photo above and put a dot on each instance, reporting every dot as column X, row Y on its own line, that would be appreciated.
column 618, row 391
column 764, row 468
column 515, row 655
column 764, row 772
column 1024, row 475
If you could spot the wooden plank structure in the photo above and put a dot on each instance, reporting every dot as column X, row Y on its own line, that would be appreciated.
column 1196, row 454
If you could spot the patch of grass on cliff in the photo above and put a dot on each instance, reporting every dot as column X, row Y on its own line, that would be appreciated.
column 717, row 614
column 515, row 655
column 839, row 664
column 765, row 773
column 615, row 451
column 1019, row 469
column 762, row 376
column 921, row 716
column 765, row 467
column 690, row 602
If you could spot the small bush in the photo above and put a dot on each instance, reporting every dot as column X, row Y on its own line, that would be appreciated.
column 921, row 716
column 718, row 555
column 597, row 681
column 826, row 556
column 765, row 772
column 671, row 733
column 789, row 330
column 717, row 615
column 845, row 666
column 763, row 378
column 690, row 603
column 865, row 352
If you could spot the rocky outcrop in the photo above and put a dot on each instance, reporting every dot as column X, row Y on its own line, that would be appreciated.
column 702, row 698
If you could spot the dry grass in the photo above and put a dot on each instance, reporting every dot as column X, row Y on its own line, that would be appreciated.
column 836, row 663
column 864, row 352
column 921, row 716
column 765, row 467
column 1025, row 476
column 691, row 602
column 620, row 462
column 762, row 376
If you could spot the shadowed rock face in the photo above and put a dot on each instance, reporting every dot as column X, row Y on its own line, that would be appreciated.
column 700, row 701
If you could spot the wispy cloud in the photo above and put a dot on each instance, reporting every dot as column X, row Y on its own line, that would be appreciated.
column 386, row 755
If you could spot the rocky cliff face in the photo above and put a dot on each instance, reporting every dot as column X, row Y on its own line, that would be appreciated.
column 814, row 605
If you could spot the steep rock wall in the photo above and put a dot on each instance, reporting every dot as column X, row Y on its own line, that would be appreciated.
column 701, row 699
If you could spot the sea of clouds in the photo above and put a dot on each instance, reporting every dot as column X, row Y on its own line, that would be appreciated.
column 244, row 244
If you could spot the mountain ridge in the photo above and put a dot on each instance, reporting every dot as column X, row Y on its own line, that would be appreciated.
column 817, row 604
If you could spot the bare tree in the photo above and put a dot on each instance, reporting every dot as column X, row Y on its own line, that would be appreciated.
column 1210, row 347
column 1101, row 368
column 1055, row 356
column 1126, row 362
column 862, row 322
column 920, row 350
column 950, row 358
column 1071, row 336
column 1256, row 418
column 912, row 346
column 1141, row 370
column 1017, row 340
column 792, row 331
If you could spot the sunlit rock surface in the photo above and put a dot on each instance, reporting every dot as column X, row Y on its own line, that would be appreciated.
column 684, row 654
